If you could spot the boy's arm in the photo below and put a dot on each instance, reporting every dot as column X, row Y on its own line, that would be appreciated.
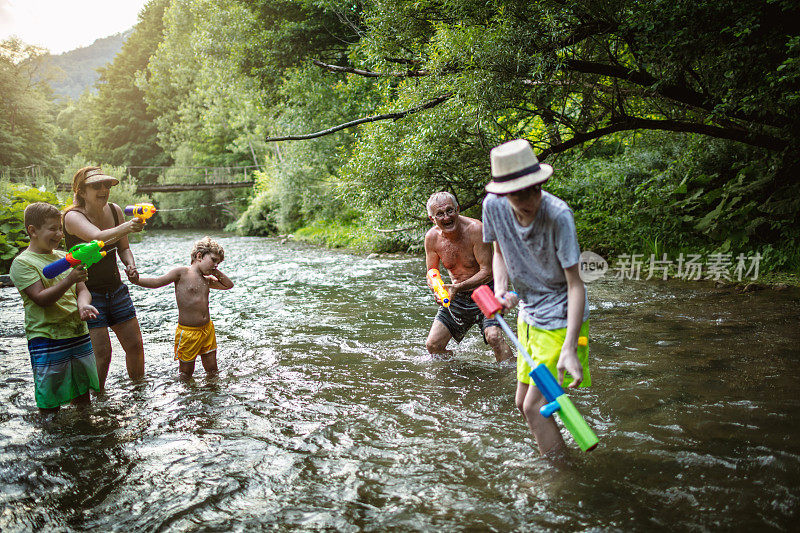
column 153, row 283
column 218, row 280
column 85, row 307
column 47, row 297
column 576, row 296
column 500, row 275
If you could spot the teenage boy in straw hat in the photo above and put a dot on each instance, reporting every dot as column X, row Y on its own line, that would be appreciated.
column 456, row 241
column 536, row 249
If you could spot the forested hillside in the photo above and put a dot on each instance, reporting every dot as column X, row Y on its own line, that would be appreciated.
column 673, row 127
column 79, row 66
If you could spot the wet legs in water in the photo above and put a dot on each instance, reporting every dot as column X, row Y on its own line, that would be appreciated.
column 130, row 337
column 438, row 337
column 186, row 368
column 544, row 430
column 81, row 402
column 494, row 338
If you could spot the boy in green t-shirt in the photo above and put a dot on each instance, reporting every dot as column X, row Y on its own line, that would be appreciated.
column 63, row 363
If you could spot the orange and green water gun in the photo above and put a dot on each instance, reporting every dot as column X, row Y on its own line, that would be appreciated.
column 435, row 279
column 558, row 401
column 85, row 254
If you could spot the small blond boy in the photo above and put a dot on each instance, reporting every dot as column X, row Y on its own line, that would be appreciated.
column 64, row 367
column 195, row 332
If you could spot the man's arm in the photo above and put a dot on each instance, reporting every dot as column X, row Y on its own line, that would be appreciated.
column 153, row 283
column 576, row 296
column 432, row 259
column 218, row 280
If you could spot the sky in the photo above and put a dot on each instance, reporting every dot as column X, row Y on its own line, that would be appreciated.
column 63, row 25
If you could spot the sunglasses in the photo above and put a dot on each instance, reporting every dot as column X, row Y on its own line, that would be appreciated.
column 101, row 185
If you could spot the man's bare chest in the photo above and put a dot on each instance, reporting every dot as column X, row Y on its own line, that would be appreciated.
column 455, row 253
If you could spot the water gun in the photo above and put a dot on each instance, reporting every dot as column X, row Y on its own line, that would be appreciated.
column 142, row 211
column 86, row 254
column 557, row 400
column 435, row 280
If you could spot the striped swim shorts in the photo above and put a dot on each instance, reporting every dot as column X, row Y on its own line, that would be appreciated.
column 63, row 369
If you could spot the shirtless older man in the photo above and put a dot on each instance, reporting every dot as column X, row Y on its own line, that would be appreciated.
column 457, row 241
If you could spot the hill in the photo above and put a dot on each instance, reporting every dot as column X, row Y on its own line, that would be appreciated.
column 80, row 66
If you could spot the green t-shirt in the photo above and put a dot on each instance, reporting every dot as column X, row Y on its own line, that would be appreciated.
column 58, row 321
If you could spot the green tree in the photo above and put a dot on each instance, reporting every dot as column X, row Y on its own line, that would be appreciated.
column 560, row 73
column 26, row 129
column 120, row 130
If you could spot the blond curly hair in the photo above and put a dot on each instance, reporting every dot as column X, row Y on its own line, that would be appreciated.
column 205, row 246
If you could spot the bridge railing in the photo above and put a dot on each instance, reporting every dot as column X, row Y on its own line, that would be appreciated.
column 196, row 174
column 151, row 178
column 33, row 175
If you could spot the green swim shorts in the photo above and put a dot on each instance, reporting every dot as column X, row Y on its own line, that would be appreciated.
column 545, row 347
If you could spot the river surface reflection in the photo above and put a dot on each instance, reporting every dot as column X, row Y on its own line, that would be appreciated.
column 328, row 414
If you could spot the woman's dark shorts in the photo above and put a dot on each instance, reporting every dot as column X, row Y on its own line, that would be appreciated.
column 113, row 307
column 463, row 314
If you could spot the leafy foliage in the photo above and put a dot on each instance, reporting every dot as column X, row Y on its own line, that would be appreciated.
column 580, row 80
column 14, row 198
column 119, row 129
column 26, row 128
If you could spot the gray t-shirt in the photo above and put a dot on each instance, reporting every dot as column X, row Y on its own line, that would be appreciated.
column 536, row 256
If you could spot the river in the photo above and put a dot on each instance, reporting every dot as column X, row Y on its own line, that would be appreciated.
column 328, row 414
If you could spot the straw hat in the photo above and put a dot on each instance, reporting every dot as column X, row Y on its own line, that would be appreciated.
column 93, row 176
column 515, row 167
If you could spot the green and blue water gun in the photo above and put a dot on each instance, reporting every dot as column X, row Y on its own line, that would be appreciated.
column 86, row 254
column 558, row 401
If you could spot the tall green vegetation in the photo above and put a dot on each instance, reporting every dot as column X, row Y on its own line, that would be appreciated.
column 672, row 125
column 26, row 109
column 118, row 128
column 584, row 81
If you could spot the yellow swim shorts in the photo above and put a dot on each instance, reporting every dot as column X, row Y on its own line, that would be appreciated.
column 545, row 347
column 193, row 341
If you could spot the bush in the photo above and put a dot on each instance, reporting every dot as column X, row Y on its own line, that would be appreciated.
column 258, row 218
column 670, row 194
column 337, row 234
column 14, row 198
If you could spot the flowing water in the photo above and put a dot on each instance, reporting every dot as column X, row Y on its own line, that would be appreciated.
column 328, row 414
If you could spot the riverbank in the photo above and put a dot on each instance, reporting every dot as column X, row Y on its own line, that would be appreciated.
column 361, row 239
